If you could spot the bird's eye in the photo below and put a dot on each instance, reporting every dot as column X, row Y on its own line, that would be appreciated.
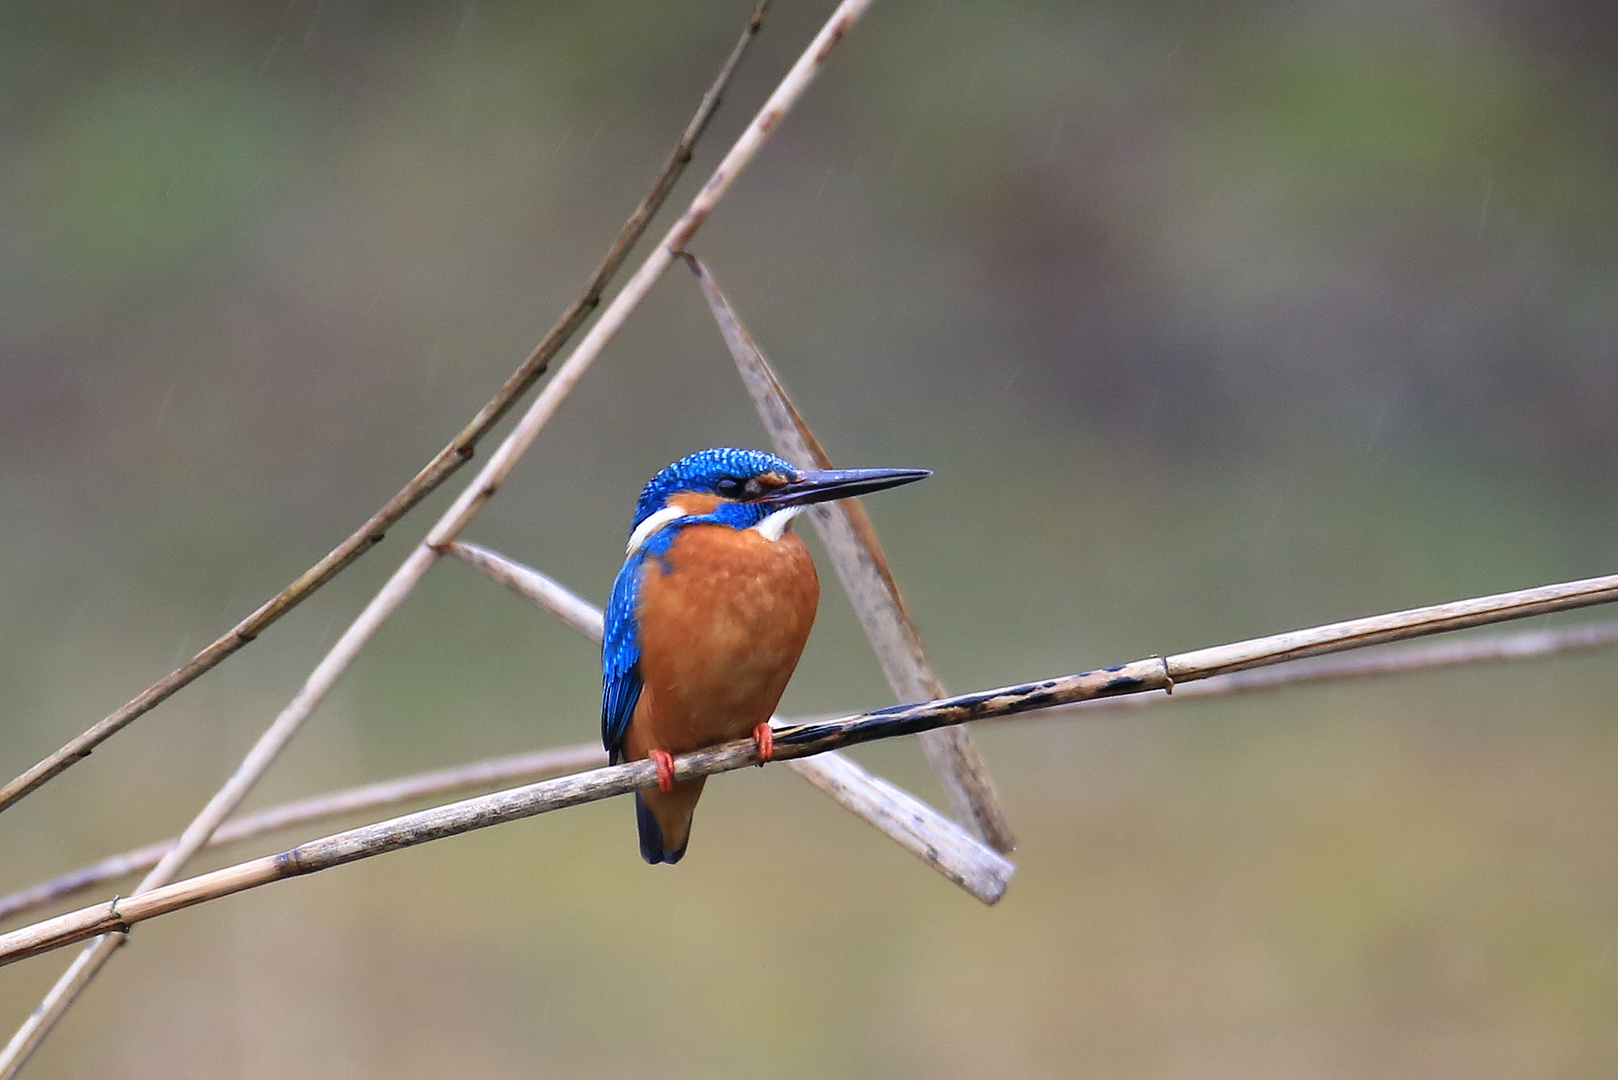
column 729, row 488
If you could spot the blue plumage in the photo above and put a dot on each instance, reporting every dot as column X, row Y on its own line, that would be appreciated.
column 620, row 658
column 652, row 847
column 704, row 471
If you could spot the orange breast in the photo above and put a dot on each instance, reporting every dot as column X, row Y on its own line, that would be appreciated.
column 721, row 632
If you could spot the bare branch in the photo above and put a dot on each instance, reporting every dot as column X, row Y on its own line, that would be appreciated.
column 1140, row 676
column 850, row 538
column 1396, row 626
column 1389, row 660
column 494, row 772
column 530, row 584
column 442, row 466
column 467, row 504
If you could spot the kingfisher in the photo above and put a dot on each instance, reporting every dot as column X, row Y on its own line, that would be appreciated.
column 709, row 615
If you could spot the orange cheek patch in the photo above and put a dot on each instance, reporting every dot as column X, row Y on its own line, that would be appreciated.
column 694, row 503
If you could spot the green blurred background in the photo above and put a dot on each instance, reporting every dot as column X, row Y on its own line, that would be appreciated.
column 1214, row 320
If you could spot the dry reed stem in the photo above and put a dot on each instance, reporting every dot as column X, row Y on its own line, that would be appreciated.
column 903, row 818
column 1389, row 660
column 1395, row 626
column 1139, row 676
column 493, row 772
column 746, row 147
column 28, row 1037
column 443, row 465
column 530, row 584
column 461, row 511
column 850, row 539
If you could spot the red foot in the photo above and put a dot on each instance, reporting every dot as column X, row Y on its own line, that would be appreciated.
column 665, row 769
column 764, row 739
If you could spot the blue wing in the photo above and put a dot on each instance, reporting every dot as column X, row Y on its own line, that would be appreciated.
column 620, row 658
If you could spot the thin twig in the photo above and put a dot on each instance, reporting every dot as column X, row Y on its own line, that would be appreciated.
column 850, row 538
column 286, row 724
column 114, row 918
column 1140, row 676
column 494, row 772
column 1395, row 626
column 530, row 584
column 903, row 818
column 786, row 94
column 442, row 466
column 1388, row 660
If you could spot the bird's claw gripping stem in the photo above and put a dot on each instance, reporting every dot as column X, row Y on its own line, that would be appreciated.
column 665, row 769
column 764, row 739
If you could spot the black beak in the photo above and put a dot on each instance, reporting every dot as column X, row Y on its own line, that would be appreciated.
column 823, row 485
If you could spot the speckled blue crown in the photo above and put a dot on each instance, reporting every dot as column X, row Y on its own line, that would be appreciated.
column 701, row 471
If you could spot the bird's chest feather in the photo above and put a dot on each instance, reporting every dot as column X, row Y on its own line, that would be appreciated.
column 723, row 616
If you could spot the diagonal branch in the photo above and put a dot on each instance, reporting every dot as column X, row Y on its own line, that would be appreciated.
column 902, row 817
column 1390, row 660
column 493, row 772
column 1136, row 677
column 850, row 538
column 530, row 584
column 443, row 465
column 326, row 673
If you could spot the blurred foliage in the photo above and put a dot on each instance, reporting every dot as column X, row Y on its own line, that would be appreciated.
column 1214, row 320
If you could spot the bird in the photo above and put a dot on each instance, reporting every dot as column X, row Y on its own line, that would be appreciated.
column 708, row 617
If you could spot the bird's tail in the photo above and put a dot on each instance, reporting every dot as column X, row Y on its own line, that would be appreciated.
column 664, row 819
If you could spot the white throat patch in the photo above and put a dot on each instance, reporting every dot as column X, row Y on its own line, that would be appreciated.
column 654, row 521
column 775, row 526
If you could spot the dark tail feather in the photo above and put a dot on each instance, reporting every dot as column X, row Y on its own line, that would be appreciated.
column 651, row 836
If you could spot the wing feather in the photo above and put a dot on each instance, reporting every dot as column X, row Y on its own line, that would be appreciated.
column 620, row 658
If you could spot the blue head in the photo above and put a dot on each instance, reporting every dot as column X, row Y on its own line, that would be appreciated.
column 749, row 488
column 724, row 472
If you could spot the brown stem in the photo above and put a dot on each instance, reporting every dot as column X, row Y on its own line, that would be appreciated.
column 1137, row 677
column 862, row 567
column 443, row 465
